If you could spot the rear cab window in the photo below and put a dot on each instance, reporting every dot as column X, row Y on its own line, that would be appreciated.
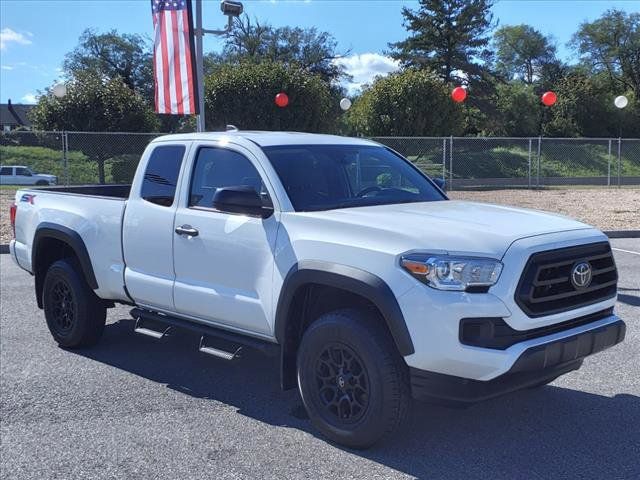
column 161, row 175
column 6, row 171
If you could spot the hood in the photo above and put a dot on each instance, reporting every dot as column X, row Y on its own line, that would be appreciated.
column 44, row 175
column 447, row 226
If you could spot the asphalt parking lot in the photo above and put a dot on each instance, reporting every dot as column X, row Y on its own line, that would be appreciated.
column 133, row 407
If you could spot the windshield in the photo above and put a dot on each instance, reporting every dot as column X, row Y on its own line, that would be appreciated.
column 324, row 177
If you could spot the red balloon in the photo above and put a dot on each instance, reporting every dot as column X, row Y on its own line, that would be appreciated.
column 549, row 98
column 458, row 94
column 282, row 100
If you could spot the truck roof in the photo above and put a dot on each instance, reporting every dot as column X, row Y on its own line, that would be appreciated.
column 267, row 139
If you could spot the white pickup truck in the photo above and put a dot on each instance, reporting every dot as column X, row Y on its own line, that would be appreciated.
column 336, row 253
column 18, row 175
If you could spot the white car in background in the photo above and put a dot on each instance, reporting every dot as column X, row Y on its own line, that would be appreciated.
column 20, row 175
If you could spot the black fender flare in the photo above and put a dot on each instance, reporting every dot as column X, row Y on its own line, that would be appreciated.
column 59, row 232
column 351, row 279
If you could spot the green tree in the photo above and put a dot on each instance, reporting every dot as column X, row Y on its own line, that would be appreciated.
column 611, row 44
column 127, row 57
column 112, row 55
column 243, row 95
column 522, row 52
column 518, row 110
column 447, row 37
column 585, row 109
column 411, row 102
column 95, row 104
column 306, row 48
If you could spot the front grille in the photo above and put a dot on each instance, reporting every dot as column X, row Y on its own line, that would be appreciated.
column 546, row 288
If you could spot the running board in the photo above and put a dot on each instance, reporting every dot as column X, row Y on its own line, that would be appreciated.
column 141, row 315
column 217, row 352
column 148, row 331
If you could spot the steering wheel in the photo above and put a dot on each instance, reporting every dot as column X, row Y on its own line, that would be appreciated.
column 364, row 191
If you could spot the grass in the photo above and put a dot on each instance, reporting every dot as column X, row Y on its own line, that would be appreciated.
column 81, row 169
column 484, row 159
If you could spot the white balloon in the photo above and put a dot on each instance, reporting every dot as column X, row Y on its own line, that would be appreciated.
column 345, row 104
column 621, row 101
column 59, row 90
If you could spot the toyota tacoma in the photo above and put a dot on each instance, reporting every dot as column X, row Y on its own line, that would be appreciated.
column 338, row 255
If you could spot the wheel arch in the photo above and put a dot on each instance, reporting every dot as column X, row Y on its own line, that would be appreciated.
column 355, row 283
column 52, row 242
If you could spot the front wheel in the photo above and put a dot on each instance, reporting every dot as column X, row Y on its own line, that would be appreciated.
column 75, row 315
column 42, row 183
column 353, row 382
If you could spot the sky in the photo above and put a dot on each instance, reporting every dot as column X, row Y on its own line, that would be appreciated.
column 36, row 34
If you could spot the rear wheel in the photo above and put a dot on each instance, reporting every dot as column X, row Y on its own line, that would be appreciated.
column 353, row 382
column 75, row 315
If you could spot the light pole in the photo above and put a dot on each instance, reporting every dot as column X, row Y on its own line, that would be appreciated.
column 232, row 9
column 59, row 90
column 620, row 103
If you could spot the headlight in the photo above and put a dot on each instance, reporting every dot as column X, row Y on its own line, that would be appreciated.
column 446, row 272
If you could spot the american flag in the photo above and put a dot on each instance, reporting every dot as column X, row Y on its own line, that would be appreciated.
column 173, row 57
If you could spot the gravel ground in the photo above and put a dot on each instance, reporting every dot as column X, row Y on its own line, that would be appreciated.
column 6, row 198
column 607, row 209
column 133, row 407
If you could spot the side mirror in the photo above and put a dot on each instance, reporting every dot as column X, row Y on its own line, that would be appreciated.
column 440, row 182
column 243, row 200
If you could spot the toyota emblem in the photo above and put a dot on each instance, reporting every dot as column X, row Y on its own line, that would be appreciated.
column 581, row 275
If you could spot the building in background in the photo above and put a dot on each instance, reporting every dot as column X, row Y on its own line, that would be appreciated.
column 13, row 116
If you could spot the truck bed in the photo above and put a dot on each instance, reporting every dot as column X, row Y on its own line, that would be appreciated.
column 94, row 212
column 111, row 191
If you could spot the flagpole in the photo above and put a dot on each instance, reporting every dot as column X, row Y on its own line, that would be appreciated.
column 231, row 9
column 199, row 37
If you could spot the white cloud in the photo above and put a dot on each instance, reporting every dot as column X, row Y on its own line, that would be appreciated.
column 6, row 67
column 364, row 68
column 29, row 98
column 8, row 36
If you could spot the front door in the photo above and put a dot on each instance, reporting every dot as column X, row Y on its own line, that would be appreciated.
column 224, row 270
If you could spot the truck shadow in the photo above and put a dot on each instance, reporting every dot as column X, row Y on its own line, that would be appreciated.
column 629, row 298
column 551, row 432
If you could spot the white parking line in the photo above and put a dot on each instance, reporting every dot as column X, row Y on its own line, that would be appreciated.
column 625, row 251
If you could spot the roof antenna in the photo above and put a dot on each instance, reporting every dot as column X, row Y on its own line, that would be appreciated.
column 232, row 128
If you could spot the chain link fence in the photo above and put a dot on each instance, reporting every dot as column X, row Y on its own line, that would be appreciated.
column 465, row 162
column 76, row 158
column 494, row 162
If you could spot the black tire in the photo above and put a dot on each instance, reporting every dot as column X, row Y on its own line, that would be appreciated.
column 75, row 315
column 42, row 183
column 352, row 409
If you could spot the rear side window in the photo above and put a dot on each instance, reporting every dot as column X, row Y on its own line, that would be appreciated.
column 5, row 171
column 161, row 175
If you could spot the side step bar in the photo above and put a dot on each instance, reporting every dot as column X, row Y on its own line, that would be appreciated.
column 142, row 315
column 148, row 331
column 216, row 352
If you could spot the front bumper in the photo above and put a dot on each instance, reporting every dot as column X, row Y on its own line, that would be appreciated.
column 537, row 364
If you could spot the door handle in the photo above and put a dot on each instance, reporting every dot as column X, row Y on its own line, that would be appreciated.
column 187, row 230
